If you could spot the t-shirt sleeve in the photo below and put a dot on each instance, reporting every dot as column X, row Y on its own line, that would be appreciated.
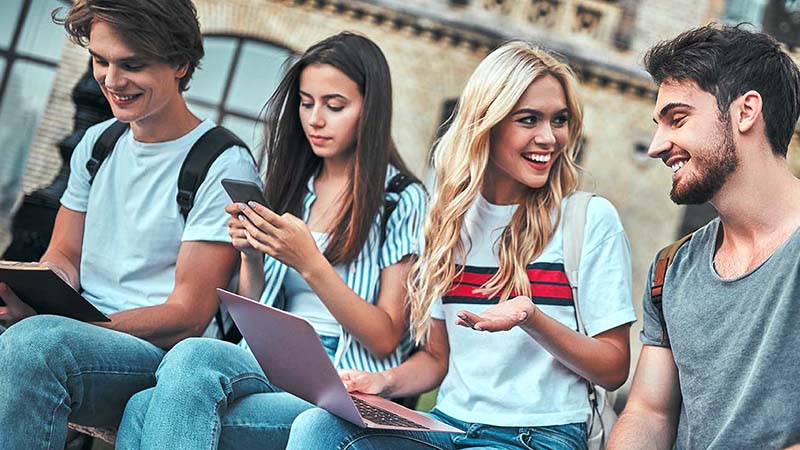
column 76, row 196
column 208, row 220
column 438, row 310
column 404, row 226
column 651, row 324
column 604, row 276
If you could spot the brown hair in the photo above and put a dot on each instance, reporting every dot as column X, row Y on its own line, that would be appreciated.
column 162, row 30
column 291, row 162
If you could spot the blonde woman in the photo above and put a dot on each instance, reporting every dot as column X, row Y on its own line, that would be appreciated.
column 489, row 297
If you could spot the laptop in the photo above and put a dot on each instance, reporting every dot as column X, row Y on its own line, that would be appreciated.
column 293, row 358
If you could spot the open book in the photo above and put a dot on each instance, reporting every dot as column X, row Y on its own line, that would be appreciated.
column 45, row 292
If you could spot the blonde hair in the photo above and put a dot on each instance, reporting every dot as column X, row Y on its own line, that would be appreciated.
column 460, row 160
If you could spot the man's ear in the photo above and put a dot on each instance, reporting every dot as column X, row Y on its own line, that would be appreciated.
column 746, row 111
column 181, row 70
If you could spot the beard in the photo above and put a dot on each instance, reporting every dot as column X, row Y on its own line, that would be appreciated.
column 714, row 168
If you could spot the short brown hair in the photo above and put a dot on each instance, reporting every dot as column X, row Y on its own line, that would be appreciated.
column 163, row 30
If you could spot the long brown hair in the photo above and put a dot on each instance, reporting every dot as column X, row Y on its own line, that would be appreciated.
column 291, row 162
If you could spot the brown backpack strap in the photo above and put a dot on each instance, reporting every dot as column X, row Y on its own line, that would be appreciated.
column 663, row 260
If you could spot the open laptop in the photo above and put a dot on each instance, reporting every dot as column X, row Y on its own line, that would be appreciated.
column 291, row 355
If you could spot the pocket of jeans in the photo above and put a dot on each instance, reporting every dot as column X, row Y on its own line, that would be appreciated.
column 559, row 437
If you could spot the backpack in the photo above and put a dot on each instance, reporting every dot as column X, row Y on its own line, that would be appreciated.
column 193, row 171
column 663, row 261
column 574, row 222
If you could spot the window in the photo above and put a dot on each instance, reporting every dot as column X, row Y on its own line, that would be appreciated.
column 30, row 47
column 749, row 11
column 779, row 18
column 235, row 78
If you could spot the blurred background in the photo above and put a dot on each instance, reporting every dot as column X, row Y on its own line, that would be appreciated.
column 47, row 96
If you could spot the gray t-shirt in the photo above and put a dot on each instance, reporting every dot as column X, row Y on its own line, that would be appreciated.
column 736, row 345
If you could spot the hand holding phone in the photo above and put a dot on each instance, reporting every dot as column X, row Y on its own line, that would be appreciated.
column 241, row 191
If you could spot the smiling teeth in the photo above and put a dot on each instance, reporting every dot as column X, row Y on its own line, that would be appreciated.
column 677, row 166
column 123, row 98
column 537, row 158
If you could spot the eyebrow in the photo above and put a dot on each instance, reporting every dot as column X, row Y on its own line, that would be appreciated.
column 669, row 107
column 325, row 97
column 536, row 112
column 127, row 59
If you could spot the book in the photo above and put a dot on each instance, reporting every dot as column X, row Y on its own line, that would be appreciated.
column 45, row 292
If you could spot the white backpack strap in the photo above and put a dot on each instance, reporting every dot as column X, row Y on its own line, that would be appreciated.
column 574, row 223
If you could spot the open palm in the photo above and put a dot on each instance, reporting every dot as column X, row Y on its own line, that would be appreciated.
column 500, row 317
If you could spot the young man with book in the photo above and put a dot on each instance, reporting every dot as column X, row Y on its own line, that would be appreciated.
column 120, row 235
column 719, row 365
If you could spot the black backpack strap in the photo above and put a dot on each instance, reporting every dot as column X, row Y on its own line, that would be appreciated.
column 193, row 172
column 663, row 261
column 397, row 184
column 200, row 158
column 103, row 147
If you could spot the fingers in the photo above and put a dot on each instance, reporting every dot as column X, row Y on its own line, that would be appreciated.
column 9, row 297
column 265, row 213
column 469, row 319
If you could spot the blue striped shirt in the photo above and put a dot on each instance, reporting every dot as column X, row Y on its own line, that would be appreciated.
column 363, row 274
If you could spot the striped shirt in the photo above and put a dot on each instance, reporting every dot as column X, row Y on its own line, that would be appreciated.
column 363, row 274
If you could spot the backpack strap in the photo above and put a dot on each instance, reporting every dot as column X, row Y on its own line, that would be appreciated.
column 574, row 223
column 104, row 146
column 193, row 172
column 199, row 159
column 663, row 261
column 397, row 185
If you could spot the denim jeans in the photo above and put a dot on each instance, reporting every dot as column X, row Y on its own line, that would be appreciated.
column 210, row 394
column 318, row 429
column 54, row 370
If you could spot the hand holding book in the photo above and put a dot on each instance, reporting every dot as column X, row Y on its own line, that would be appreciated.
column 30, row 288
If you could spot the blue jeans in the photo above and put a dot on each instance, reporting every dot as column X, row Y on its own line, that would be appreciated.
column 210, row 394
column 54, row 370
column 318, row 429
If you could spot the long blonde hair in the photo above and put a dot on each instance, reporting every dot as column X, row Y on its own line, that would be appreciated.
column 460, row 160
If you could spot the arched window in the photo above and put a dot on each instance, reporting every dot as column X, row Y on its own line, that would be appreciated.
column 234, row 80
column 30, row 47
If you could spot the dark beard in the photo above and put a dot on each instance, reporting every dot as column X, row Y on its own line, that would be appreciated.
column 717, row 167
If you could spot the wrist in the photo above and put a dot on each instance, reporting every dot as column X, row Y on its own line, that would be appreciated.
column 314, row 267
column 389, row 381
column 531, row 316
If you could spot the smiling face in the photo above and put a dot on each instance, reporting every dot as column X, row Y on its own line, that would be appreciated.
column 693, row 141
column 140, row 91
column 526, row 144
column 330, row 108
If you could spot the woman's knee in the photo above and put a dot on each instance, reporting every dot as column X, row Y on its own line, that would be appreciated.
column 317, row 428
column 130, row 428
column 195, row 356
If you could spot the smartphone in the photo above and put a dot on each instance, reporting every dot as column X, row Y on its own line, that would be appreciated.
column 242, row 191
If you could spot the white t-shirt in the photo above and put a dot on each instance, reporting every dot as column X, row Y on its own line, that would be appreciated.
column 507, row 378
column 133, row 228
column 302, row 301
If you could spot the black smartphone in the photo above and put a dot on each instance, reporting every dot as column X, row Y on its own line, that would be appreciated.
column 241, row 191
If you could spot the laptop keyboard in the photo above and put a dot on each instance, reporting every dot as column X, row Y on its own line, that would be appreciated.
column 383, row 417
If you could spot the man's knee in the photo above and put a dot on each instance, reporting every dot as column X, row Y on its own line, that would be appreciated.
column 41, row 341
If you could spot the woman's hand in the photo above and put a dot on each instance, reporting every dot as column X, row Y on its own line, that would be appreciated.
column 285, row 238
column 365, row 382
column 500, row 317
column 237, row 231
column 14, row 309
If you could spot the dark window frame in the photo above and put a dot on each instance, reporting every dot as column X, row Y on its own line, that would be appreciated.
column 12, row 55
column 221, row 109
